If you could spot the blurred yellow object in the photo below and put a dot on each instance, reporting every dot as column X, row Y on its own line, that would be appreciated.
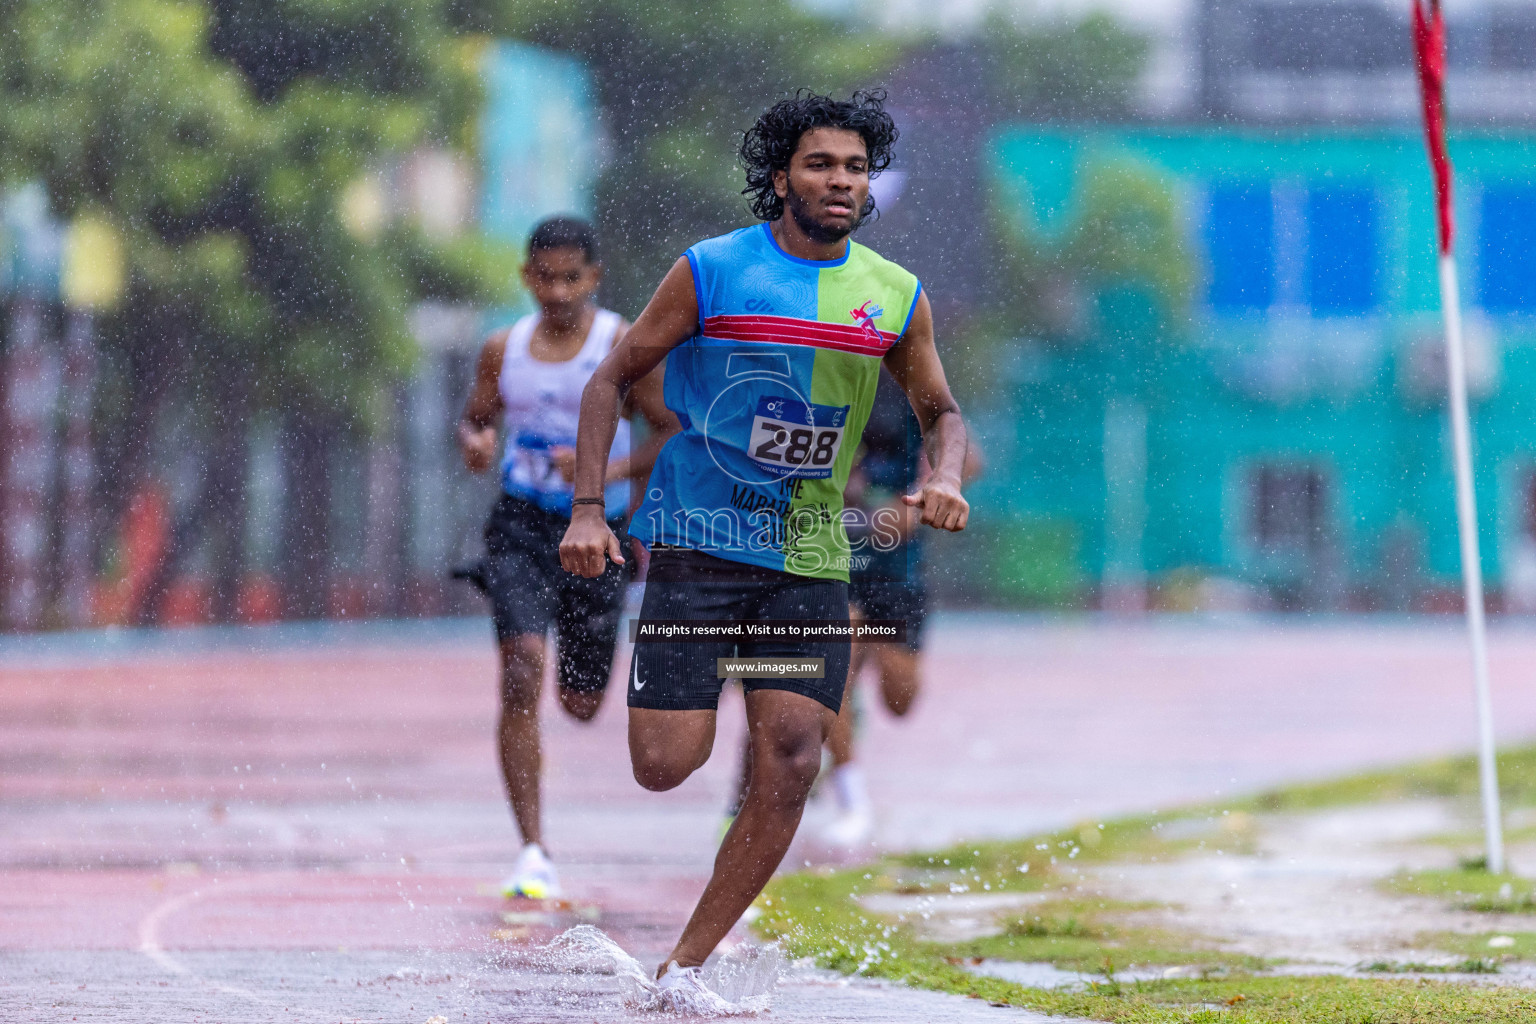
column 472, row 52
column 92, row 275
column 364, row 208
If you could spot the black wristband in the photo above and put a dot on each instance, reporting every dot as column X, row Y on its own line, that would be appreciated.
column 587, row 501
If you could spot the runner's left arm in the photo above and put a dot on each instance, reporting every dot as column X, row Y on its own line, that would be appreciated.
column 668, row 320
column 914, row 362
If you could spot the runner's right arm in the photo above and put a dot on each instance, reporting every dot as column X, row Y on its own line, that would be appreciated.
column 477, row 427
column 645, row 397
column 668, row 320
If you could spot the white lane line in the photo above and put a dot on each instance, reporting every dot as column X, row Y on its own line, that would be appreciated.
column 149, row 931
column 149, row 943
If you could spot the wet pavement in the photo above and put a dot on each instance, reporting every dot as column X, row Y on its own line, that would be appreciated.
column 307, row 824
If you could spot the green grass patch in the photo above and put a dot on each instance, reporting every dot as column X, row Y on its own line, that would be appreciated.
column 1027, row 865
column 815, row 914
column 1470, row 888
column 1092, row 936
column 1499, row 946
column 818, row 914
column 1471, row 965
column 1445, row 777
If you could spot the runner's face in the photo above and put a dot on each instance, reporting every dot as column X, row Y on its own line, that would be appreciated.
column 827, row 183
column 562, row 281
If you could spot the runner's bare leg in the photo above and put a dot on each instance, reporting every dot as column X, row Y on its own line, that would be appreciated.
column 787, row 731
column 901, row 676
column 665, row 747
column 900, row 673
column 840, row 739
column 522, row 673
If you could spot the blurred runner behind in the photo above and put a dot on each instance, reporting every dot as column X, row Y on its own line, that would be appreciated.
column 886, row 581
column 531, row 376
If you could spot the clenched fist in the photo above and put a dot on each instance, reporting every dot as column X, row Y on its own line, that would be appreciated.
column 941, row 504
column 589, row 543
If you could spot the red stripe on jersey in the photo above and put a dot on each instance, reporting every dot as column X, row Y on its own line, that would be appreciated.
column 785, row 330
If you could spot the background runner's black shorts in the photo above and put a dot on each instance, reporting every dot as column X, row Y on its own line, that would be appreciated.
column 889, row 585
column 686, row 584
column 893, row 599
column 530, row 591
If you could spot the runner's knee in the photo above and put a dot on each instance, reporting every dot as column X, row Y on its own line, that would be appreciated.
column 899, row 700
column 791, row 763
column 900, row 683
column 659, row 772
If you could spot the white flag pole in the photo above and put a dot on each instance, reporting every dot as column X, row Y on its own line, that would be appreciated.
column 1429, row 56
column 1471, row 562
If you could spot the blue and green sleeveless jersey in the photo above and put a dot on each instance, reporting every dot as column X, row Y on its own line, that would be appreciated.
column 773, row 391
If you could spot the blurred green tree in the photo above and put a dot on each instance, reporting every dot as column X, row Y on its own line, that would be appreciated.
column 1064, row 68
column 222, row 141
column 1121, row 234
column 678, row 82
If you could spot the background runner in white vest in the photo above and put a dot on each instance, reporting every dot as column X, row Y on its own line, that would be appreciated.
column 531, row 376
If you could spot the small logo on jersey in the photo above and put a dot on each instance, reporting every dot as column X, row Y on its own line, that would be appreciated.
column 759, row 306
column 866, row 315
column 775, row 407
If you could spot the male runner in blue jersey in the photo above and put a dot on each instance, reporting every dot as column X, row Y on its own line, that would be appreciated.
column 774, row 336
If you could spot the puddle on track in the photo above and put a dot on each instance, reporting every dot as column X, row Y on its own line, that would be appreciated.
column 1044, row 975
column 1049, row 976
column 402, row 988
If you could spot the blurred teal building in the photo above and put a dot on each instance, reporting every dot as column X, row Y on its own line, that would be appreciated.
column 1283, row 441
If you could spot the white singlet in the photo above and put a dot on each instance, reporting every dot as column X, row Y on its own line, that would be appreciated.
column 543, row 405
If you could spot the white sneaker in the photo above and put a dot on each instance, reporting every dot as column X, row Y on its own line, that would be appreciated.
column 682, row 990
column 532, row 876
column 851, row 828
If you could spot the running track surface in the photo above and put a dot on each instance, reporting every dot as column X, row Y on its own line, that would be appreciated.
column 307, row 825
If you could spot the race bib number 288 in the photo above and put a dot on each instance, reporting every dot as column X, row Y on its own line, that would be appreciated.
column 792, row 439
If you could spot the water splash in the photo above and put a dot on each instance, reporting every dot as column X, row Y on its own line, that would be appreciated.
column 744, row 977
column 584, row 949
column 747, row 975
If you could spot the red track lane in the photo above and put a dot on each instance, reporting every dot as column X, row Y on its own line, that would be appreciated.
column 342, row 797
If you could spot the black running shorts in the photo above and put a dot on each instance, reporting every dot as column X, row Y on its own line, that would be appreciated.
column 530, row 591
column 893, row 599
column 686, row 584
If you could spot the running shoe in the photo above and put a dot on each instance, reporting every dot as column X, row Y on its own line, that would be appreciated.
column 682, row 990
column 533, row 876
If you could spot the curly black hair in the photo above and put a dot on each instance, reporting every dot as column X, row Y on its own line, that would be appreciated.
column 768, row 145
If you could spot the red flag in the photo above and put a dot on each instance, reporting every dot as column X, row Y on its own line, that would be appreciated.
column 1429, row 52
